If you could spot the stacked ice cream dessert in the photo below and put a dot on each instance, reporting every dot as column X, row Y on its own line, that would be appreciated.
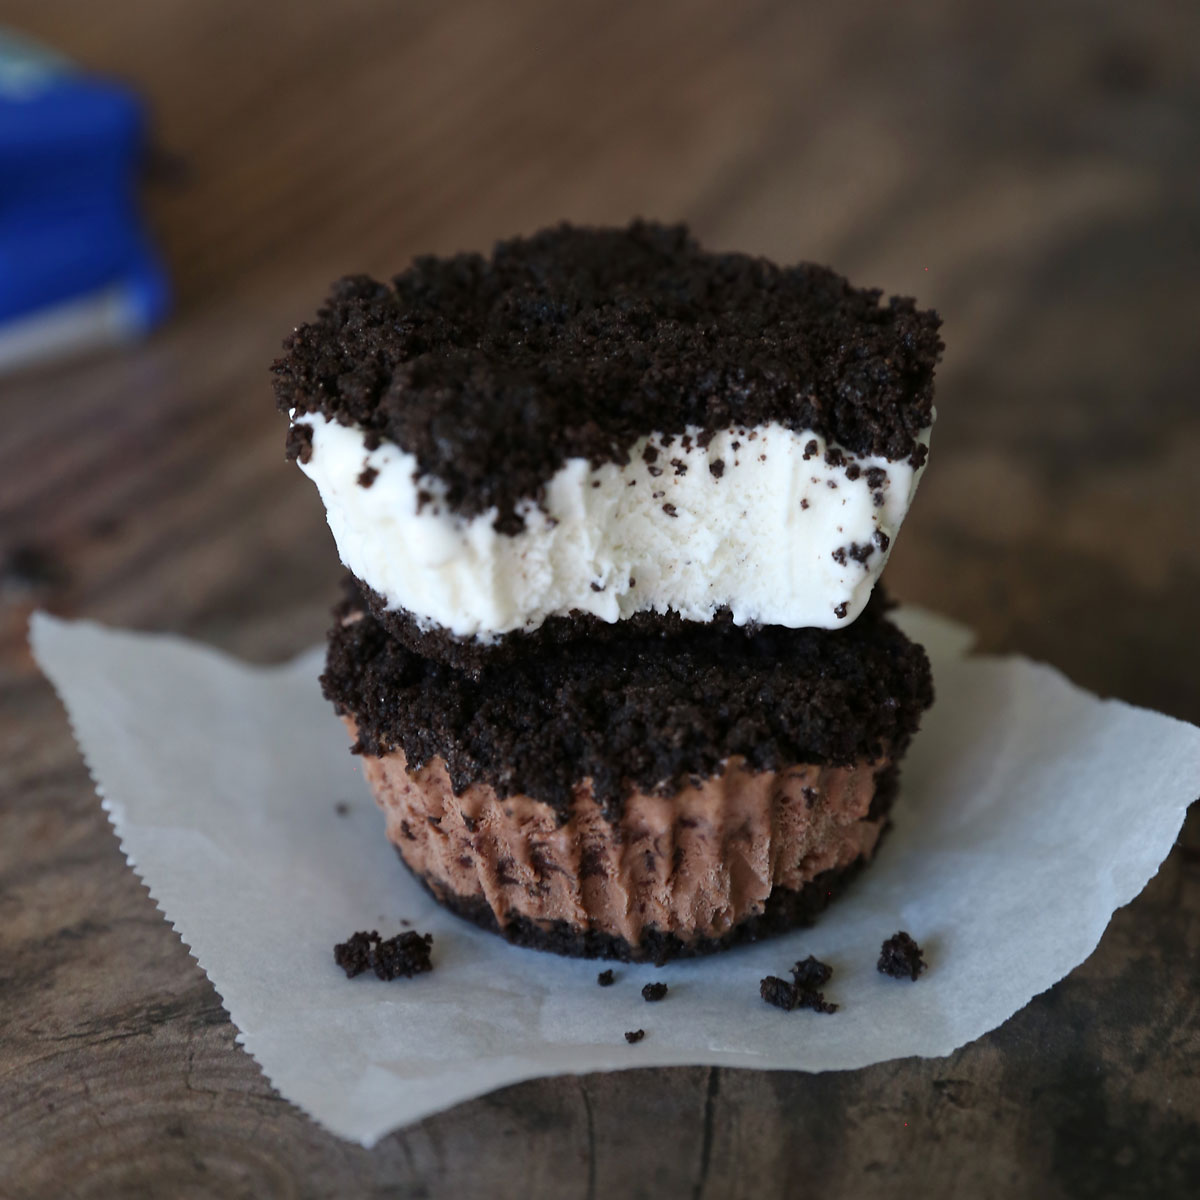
column 613, row 509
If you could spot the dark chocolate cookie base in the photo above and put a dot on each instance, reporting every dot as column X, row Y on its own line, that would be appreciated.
column 634, row 712
column 473, row 656
column 785, row 909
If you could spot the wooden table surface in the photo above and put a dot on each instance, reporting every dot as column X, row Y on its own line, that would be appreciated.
column 1031, row 170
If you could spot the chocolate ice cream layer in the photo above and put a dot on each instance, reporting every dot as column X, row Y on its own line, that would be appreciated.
column 728, row 857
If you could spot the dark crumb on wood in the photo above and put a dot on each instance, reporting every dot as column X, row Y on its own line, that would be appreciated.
column 900, row 957
column 367, row 476
column 341, row 808
column 606, row 978
column 803, row 989
column 654, row 991
column 30, row 568
column 405, row 955
column 634, row 1035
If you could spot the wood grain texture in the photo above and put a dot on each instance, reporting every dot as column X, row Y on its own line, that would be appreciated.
column 1031, row 170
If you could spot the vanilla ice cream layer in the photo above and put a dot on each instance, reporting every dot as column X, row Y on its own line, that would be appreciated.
column 776, row 526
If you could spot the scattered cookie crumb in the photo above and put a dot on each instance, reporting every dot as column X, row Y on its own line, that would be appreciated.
column 654, row 991
column 605, row 978
column 30, row 568
column 634, row 1035
column 803, row 990
column 900, row 957
column 405, row 955
column 811, row 974
column 367, row 476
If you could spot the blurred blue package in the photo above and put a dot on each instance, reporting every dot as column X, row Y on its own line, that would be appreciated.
column 76, row 268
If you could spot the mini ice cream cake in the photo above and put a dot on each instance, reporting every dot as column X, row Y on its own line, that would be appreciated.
column 613, row 509
column 641, row 797
column 595, row 427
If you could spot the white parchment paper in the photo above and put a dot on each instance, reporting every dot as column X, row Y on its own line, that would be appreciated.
column 1030, row 810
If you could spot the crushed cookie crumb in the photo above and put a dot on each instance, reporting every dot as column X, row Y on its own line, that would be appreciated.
column 299, row 447
column 633, row 1036
column 654, row 991
column 367, row 476
column 900, row 957
column 802, row 991
column 606, row 978
column 403, row 956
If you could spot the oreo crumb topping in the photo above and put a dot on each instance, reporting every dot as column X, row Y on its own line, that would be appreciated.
column 803, row 989
column 633, row 1036
column 841, row 610
column 605, row 978
column 366, row 477
column 654, row 991
column 298, row 446
column 405, row 955
column 900, row 957
column 575, row 342
column 641, row 712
